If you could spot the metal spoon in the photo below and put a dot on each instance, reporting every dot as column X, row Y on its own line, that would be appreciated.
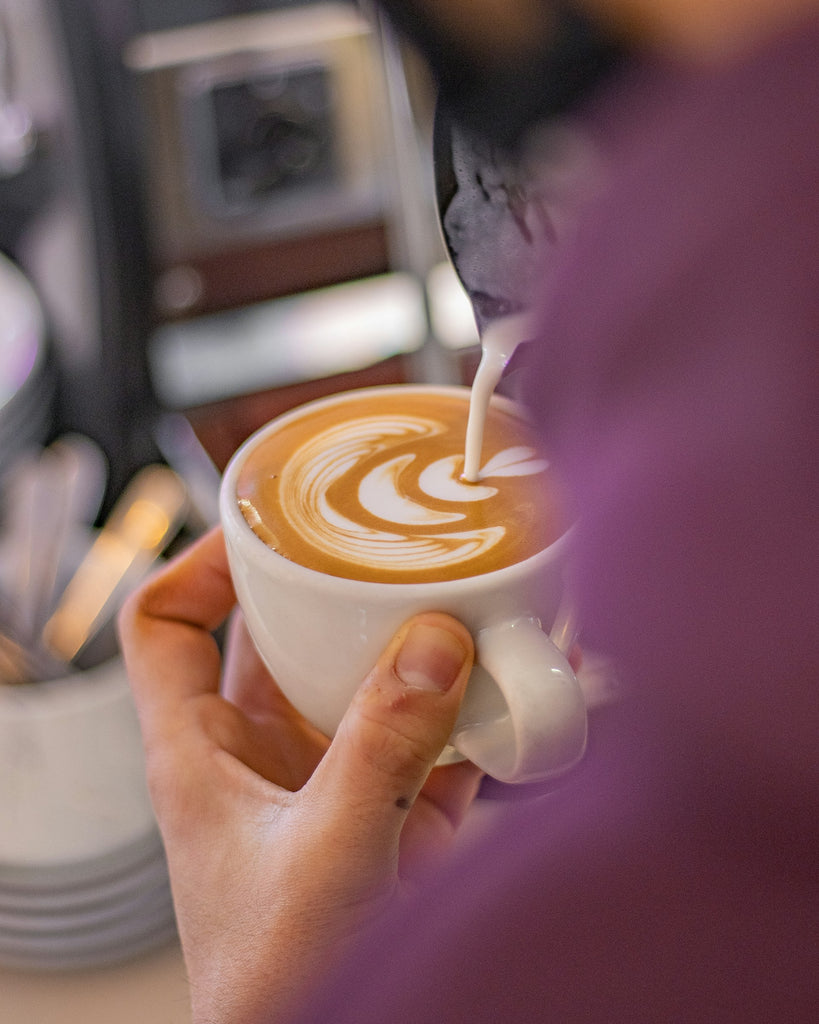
column 145, row 518
column 56, row 492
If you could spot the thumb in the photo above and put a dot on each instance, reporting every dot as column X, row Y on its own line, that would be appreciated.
column 398, row 723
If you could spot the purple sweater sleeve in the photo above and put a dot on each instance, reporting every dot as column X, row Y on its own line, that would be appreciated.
column 673, row 878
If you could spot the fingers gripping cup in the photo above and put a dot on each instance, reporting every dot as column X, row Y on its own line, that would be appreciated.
column 346, row 516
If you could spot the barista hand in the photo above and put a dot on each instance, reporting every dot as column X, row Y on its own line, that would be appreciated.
column 279, row 843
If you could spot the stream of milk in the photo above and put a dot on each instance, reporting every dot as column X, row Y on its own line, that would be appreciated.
column 498, row 344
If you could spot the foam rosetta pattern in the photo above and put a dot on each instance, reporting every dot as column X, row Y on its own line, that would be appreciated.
column 396, row 490
column 382, row 493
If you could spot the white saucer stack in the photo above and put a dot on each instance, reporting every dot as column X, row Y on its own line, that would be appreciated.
column 83, row 878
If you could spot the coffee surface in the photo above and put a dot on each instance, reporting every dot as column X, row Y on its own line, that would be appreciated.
column 370, row 488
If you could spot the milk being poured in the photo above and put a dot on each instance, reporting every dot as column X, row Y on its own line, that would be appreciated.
column 498, row 344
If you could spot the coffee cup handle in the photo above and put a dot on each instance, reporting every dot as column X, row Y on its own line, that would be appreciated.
column 524, row 717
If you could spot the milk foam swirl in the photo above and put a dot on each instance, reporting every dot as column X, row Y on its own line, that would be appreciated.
column 402, row 518
column 368, row 485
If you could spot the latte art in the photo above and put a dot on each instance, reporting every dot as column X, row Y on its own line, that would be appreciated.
column 384, row 492
column 371, row 488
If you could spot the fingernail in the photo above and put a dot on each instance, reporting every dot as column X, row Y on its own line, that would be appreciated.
column 430, row 658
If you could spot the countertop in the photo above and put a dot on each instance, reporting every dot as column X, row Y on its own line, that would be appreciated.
column 149, row 990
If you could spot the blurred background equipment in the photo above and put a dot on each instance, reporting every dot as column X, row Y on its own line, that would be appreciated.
column 191, row 185
column 290, row 218
column 265, row 157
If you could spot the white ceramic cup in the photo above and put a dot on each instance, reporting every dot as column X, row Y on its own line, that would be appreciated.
column 523, row 718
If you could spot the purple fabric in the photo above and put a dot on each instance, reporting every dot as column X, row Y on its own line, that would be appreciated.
column 673, row 877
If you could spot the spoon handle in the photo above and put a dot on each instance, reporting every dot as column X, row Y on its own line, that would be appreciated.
column 144, row 519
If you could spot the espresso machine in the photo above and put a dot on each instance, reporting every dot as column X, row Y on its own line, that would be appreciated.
column 228, row 208
column 234, row 212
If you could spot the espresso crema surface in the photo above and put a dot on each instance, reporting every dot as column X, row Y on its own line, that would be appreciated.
column 370, row 488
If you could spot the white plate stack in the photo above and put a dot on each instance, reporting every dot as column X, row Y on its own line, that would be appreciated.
column 28, row 376
column 83, row 877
